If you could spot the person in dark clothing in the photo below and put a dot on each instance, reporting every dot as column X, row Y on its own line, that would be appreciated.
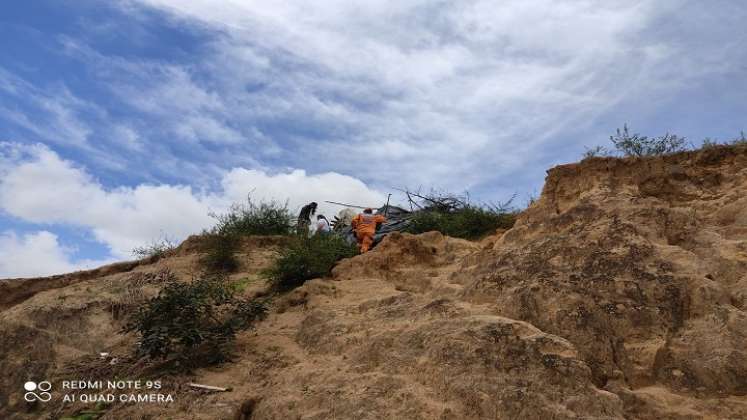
column 304, row 218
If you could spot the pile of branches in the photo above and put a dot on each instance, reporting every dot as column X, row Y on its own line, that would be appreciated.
column 445, row 202
column 451, row 214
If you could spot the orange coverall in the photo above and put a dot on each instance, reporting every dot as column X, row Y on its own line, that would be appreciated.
column 364, row 226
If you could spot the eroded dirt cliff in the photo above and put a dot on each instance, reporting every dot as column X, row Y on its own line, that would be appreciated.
column 619, row 294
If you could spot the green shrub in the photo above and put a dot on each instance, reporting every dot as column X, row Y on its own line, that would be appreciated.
column 219, row 252
column 85, row 416
column 306, row 258
column 637, row 145
column 241, row 284
column 222, row 241
column 468, row 221
column 194, row 323
column 265, row 218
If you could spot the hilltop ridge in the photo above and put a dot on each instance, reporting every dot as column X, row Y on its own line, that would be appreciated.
column 619, row 293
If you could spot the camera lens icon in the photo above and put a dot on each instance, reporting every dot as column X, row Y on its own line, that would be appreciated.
column 43, row 395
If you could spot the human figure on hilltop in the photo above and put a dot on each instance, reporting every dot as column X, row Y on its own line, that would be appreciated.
column 322, row 225
column 304, row 218
column 364, row 226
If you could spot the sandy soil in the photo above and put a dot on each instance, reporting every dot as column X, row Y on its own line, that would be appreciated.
column 619, row 294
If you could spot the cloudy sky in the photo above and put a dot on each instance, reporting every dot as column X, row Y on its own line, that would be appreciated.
column 128, row 120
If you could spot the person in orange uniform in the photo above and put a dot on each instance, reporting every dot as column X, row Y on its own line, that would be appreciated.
column 364, row 226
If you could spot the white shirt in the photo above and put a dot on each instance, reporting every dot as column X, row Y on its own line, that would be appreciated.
column 322, row 226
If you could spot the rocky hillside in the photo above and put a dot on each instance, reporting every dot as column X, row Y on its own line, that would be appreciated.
column 620, row 293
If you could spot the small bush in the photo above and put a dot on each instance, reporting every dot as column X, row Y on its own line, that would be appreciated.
column 468, row 221
column 306, row 258
column 220, row 252
column 222, row 241
column 532, row 198
column 155, row 250
column 741, row 140
column 240, row 285
column 194, row 323
column 265, row 218
column 637, row 145
column 709, row 143
column 597, row 151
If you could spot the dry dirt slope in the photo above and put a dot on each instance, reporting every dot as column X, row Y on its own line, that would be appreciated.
column 621, row 293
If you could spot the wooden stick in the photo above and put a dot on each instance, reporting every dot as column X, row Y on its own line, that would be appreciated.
column 346, row 205
column 420, row 196
column 413, row 202
column 209, row 387
column 409, row 193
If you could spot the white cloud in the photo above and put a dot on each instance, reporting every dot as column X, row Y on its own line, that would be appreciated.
column 428, row 91
column 459, row 95
column 418, row 91
column 59, row 108
column 38, row 254
column 449, row 94
column 37, row 186
column 300, row 188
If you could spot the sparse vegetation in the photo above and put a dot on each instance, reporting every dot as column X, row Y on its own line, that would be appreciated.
column 709, row 142
column 220, row 252
column 265, row 218
column 455, row 216
column 741, row 140
column 468, row 222
column 637, row 145
column 193, row 323
column 597, row 151
column 155, row 250
column 737, row 141
column 532, row 198
column 222, row 241
column 306, row 258
column 84, row 416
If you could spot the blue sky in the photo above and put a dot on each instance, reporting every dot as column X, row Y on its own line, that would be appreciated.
column 125, row 121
